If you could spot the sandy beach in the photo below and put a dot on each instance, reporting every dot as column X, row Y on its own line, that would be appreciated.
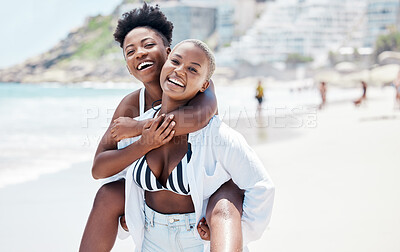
column 335, row 172
column 337, row 186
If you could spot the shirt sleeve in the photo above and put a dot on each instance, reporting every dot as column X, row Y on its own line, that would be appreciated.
column 249, row 174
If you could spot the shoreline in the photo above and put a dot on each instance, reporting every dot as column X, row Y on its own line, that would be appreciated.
column 276, row 123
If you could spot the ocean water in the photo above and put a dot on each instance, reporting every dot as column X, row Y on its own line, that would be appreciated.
column 46, row 128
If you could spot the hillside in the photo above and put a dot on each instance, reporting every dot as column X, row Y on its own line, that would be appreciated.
column 88, row 53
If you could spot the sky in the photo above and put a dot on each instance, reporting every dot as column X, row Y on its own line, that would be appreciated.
column 31, row 27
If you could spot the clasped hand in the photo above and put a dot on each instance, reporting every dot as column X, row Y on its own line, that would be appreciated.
column 155, row 132
column 158, row 131
column 125, row 127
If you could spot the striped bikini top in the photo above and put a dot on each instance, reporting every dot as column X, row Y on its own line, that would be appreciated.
column 177, row 181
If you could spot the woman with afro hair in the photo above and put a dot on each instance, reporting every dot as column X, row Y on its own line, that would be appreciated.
column 145, row 36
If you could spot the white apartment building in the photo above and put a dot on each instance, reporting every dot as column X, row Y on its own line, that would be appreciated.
column 382, row 15
column 306, row 27
column 218, row 20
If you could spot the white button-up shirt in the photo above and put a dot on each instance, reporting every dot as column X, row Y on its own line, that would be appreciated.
column 219, row 153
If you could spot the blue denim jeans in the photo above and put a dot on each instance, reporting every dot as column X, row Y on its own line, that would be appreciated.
column 170, row 232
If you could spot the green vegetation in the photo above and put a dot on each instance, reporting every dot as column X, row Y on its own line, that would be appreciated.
column 99, row 39
column 97, row 22
column 389, row 42
column 295, row 58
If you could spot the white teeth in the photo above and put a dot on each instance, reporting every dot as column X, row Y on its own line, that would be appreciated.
column 144, row 64
column 177, row 82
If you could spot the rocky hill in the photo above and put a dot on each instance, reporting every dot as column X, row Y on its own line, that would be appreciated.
column 88, row 53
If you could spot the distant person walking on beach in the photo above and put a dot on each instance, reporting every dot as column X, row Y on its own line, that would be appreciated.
column 364, row 95
column 397, row 87
column 322, row 91
column 259, row 95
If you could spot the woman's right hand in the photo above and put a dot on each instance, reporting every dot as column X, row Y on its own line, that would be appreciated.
column 125, row 127
column 158, row 131
column 203, row 229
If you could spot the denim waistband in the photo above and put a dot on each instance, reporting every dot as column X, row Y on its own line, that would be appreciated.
column 154, row 217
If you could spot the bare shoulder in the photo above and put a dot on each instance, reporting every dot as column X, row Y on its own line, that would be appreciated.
column 129, row 106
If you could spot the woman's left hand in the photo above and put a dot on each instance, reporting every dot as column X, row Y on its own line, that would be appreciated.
column 203, row 229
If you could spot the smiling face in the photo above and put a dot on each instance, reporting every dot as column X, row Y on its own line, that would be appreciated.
column 145, row 54
column 185, row 72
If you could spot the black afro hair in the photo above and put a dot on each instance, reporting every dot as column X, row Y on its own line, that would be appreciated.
column 147, row 16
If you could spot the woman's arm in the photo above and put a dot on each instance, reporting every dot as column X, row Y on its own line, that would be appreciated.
column 197, row 113
column 109, row 160
column 188, row 119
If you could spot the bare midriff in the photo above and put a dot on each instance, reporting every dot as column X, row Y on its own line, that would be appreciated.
column 167, row 202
